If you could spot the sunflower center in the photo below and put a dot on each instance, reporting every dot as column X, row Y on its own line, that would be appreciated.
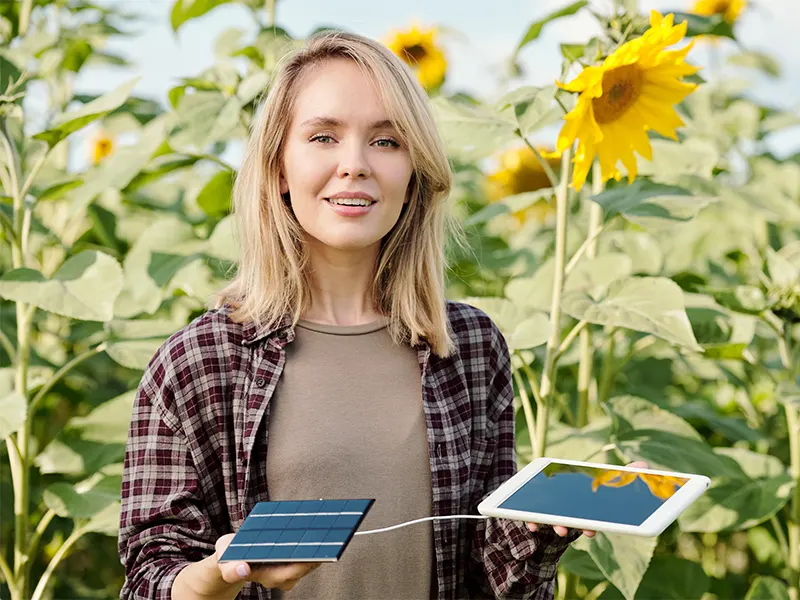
column 414, row 53
column 720, row 7
column 621, row 87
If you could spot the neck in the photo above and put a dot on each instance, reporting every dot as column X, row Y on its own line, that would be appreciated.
column 341, row 284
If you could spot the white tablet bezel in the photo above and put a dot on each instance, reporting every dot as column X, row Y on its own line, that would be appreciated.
column 651, row 527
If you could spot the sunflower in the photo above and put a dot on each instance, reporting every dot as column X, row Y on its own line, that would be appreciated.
column 518, row 171
column 729, row 9
column 661, row 486
column 101, row 146
column 418, row 49
column 632, row 91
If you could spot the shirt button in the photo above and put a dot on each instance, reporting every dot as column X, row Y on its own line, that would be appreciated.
column 261, row 382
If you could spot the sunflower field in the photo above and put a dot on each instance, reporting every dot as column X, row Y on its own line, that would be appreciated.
column 643, row 263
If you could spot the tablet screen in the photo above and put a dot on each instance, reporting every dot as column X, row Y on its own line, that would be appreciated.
column 581, row 492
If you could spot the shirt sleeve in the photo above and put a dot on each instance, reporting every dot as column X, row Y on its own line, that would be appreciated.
column 512, row 561
column 164, row 524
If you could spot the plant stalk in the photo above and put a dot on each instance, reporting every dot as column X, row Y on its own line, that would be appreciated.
column 587, row 352
column 530, row 420
column 25, row 16
column 41, row 587
column 551, row 356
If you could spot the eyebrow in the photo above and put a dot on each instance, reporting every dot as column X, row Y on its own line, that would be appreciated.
column 333, row 122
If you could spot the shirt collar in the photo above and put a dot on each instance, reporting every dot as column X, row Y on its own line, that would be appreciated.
column 251, row 334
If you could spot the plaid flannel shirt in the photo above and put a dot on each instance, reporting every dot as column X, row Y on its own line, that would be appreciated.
column 197, row 446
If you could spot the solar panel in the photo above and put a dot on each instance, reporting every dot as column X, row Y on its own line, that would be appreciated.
column 297, row 531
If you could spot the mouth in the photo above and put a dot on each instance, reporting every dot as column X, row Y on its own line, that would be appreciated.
column 359, row 202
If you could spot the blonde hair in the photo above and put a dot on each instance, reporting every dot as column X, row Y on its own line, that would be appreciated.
column 409, row 285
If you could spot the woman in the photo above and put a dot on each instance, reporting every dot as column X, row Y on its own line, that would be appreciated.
column 333, row 367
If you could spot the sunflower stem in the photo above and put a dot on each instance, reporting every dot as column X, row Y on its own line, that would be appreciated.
column 587, row 352
column 547, row 387
column 530, row 420
column 548, row 170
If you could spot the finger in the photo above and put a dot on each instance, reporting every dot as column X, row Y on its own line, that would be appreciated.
column 533, row 526
column 588, row 533
column 562, row 531
column 638, row 464
column 232, row 572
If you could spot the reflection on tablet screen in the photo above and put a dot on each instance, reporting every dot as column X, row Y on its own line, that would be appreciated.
column 627, row 497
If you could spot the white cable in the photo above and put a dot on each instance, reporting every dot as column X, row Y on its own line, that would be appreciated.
column 420, row 521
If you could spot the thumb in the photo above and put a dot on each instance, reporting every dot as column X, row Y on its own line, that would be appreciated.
column 234, row 571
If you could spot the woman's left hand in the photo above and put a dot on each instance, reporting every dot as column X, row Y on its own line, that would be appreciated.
column 562, row 531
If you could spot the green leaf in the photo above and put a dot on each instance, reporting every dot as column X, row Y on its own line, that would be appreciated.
column 673, row 578
column 85, row 287
column 56, row 191
column 767, row 588
column 203, row 118
column 70, row 455
column 509, row 205
column 85, row 499
column 593, row 275
column 650, row 204
column 13, row 411
column 119, row 169
column 535, row 28
column 643, row 251
column 185, row 10
column 215, row 197
column 623, row 559
column 745, row 299
column 472, row 132
column 532, row 107
column 754, row 59
column 67, row 123
column 161, row 166
column 702, row 25
column 650, row 304
column 674, row 161
column 134, row 354
column 584, row 444
column 577, row 562
column 631, row 413
column 108, row 422
column 734, row 428
column 106, row 521
column 781, row 270
column 222, row 241
column 521, row 329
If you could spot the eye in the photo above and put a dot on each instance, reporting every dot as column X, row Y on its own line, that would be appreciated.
column 387, row 143
column 322, row 138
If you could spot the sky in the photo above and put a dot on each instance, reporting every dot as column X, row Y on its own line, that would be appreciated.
column 478, row 38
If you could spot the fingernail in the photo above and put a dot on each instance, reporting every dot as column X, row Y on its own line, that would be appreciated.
column 241, row 570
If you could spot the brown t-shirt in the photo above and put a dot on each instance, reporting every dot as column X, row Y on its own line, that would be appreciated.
column 347, row 422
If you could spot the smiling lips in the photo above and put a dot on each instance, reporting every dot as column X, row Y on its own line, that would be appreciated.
column 351, row 204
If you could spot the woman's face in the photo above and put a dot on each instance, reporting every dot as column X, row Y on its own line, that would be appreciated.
column 344, row 165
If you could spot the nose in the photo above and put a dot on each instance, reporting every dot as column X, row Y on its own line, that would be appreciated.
column 353, row 162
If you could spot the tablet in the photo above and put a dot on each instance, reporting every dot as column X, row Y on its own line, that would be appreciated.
column 595, row 496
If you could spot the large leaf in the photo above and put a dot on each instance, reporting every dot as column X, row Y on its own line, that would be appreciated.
column 631, row 413
column 509, row 205
column 702, row 25
column 740, row 503
column 106, row 521
column 535, row 28
column 532, row 107
column 85, row 499
column 203, row 118
column 85, row 287
column 222, row 243
column 641, row 249
column 674, row 161
column 623, row 559
column 215, row 197
column 472, row 132
column 767, row 588
column 67, row 123
column 108, row 422
column 521, row 328
column 12, row 413
column 650, row 204
column 184, row 10
column 583, row 444
column 119, row 169
column 650, row 304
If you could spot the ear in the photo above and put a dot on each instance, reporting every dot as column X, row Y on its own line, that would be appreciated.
column 284, row 185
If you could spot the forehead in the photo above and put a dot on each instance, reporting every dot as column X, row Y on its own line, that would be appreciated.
column 338, row 88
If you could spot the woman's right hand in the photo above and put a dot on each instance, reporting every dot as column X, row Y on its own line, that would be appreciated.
column 210, row 578
column 284, row 576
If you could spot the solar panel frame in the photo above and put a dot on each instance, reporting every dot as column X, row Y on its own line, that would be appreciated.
column 281, row 531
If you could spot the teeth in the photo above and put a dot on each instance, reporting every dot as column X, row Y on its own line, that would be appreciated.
column 350, row 201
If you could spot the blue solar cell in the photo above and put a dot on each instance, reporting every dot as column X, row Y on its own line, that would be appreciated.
column 288, row 506
column 281, row 552
column 292, row 535
column 248, row 536
column 314, row 506
column 298, row 522
column 257, row 553
column 337, row 535
column 269, row 535
column 333, row 506
column 347, row 521
column 314, row 535
column 251, row 523
column 304, row 552
column 357, row 505
column 323, row 521
column 328, row 552
column 275, row 522
column 264, row 508
column 235, row 552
